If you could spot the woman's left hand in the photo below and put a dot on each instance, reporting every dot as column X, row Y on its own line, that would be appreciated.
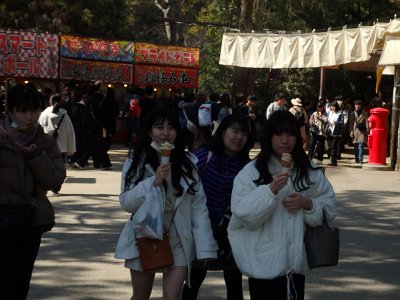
column 27, row 149
column 295, row 202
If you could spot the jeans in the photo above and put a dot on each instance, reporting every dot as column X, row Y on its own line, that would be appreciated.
column 359, row 151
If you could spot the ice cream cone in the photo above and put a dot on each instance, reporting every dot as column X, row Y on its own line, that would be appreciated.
column 165, row 152
column 286, row 161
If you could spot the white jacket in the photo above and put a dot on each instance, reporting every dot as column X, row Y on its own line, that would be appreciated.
column 66, row 133
column 266, row 240
column 191, row 218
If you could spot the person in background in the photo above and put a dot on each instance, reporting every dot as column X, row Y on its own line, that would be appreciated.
column 334, row 133
column 219, row 161
column 358, row 126
column 30, row 165
column 270, row 209
column 147, row 104
column 318, row 122
column 186, row 215
column 188, row 110
column 301, row 116
column 344, row 113
column 278, row 104
column 50, row 120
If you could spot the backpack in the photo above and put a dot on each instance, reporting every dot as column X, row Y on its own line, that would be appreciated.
column 205, row 114
column 134, row 108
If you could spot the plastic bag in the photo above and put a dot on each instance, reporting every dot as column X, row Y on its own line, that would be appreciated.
column 148, row 221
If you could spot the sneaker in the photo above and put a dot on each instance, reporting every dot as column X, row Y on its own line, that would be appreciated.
column 77, row 166
column 357, row 161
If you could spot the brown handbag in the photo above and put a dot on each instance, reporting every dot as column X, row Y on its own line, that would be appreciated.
column 322, row 245
column 155, row 254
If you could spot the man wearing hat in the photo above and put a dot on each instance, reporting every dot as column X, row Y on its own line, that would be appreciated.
column 301, row 116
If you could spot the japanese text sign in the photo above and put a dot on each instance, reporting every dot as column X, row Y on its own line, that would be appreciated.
column 166, row 55
column 95, row 49
column 28, row 54
column 95, row 70
column 166, row 76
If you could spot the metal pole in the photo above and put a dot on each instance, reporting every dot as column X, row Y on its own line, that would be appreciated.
column 394, row 152
column 322, row 84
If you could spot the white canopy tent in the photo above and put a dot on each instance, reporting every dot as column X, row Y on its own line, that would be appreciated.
column 307, row 50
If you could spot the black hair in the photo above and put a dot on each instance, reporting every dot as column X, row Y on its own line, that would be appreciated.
column 280, row 96
column 56, row 100
column 216, row 143
column 143, row 153
column 282, row 121
column 149, row 90
column 23, row 98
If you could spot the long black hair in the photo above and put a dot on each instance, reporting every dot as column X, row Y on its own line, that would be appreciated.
column 282, row 121
column 216, row 143
column 143, row 153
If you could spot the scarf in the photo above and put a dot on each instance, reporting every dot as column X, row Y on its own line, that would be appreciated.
column 20, row 137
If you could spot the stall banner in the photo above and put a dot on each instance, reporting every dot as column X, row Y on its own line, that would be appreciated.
column 166, row 76
column 96, row 49
column 95, row 70
column 28, row 54
column 166, row 55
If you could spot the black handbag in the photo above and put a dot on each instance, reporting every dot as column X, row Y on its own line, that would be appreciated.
column 322, row 245
column 15, row 218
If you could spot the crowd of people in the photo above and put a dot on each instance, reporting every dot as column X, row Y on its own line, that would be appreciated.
column 222, row 211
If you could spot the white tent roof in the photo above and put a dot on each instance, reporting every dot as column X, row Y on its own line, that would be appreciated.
column 391, row 52
column 308, row 50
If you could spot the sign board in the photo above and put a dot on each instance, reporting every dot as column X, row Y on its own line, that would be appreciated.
column 96, row 49
column 166, row 55
column 28, row 54
column 95, row 70
column 166, row 76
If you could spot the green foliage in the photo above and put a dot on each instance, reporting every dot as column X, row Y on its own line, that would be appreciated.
column 142, row 20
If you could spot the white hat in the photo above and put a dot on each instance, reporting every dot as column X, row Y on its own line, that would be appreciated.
column 296, row 102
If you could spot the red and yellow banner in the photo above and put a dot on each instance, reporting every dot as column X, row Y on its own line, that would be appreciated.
column 166, row 76
column 28, row 54
column 95, row 70
column 96, row 49
column 166, row 55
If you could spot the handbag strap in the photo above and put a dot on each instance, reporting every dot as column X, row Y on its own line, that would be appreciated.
column 59, row 122
column 184, row 112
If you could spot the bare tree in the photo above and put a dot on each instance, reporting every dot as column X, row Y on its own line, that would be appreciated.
column 171, row 13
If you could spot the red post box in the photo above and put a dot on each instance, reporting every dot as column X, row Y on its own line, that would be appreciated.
column 377, row 137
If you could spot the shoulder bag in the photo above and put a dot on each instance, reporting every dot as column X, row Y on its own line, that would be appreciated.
column 156, row 254
column 322, row 245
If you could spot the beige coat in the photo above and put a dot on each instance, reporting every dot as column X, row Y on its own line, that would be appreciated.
column 357, row 135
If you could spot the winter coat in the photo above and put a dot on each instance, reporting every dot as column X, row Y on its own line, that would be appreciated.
column 267, row 240
column 318, row 121
column 358, row 132
column 191, row 217
column 66, row 133
column 26, row 179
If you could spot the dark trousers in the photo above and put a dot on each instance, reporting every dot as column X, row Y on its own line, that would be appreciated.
column 276, row 289
column 17, row 257
column 233, row 282
column 317, row 145
column 333, row 148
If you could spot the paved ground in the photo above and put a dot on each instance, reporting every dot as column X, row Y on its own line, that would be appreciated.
column 76, row 258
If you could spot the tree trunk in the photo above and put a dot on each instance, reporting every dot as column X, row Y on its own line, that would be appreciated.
column 243, row 80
